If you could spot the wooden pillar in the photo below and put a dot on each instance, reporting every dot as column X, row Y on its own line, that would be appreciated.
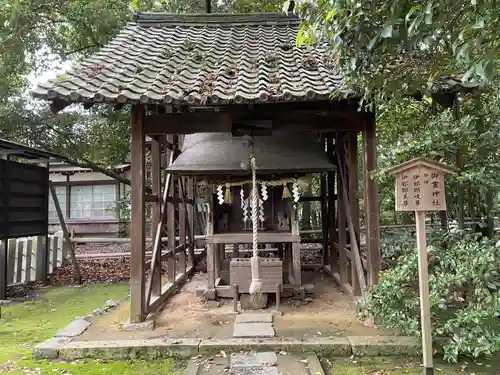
column 352, row 170
column 4, row 241
column 138, row 217
column 191, row 221
column 155, row 184
column 182, row 231
column 372, row 207
column 156, row 213
column 324, row 218
column 172, row 212
column 297, row 269
column 210, row 248
column 332, row 225
column 341, row 219
column 67, row 245
column 217, row 260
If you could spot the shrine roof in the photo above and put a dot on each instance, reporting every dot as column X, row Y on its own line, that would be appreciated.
column 162, row 58
column 222, row 153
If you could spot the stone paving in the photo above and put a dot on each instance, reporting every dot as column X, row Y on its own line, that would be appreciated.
column 250, row 325
column 255, row 363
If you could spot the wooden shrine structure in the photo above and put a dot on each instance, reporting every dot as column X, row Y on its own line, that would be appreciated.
column 235, row 74
column 284, row 160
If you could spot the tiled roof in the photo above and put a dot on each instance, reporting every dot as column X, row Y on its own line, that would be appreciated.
column 198, row 59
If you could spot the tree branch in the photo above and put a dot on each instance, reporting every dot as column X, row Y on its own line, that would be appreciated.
column 66, row 54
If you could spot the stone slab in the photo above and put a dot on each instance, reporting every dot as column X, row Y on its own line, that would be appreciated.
column 49, row 349
column 314, row 365
column 75, row 328
column 253, row 359
column 130, row 349
column 253, row 330
column 254, row 318
column 384, row 345
column 333, row 347
column 192, row 368
column 254, row 371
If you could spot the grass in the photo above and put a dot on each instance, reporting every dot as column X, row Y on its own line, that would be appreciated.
column 398, row 366
column 28, row 323
column 25, row 324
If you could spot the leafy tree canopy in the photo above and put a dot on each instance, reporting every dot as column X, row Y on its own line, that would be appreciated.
column 393, row 47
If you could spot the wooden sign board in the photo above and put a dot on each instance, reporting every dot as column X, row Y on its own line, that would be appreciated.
column 420, row 185
column 420, row 188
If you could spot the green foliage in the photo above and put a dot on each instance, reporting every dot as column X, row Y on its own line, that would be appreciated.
column 25, row 324
column 407, row 128
column 464, row 283
column 389, row 48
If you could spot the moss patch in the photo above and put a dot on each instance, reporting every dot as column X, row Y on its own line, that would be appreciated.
column 28, row 323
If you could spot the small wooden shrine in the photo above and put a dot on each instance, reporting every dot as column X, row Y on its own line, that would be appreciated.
column 220, row 163
column 184, row 75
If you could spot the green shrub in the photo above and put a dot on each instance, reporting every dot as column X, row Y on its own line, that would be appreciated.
column 464, row 285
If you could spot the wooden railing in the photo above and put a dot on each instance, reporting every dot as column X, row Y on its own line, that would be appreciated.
column 28, row 259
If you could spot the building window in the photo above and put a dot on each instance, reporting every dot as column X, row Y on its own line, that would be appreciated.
column 95, row 201
column 61, row 197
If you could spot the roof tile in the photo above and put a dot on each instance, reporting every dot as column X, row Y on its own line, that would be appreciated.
column 201, row 58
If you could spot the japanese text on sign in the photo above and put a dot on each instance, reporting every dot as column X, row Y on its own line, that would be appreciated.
column 420, row 188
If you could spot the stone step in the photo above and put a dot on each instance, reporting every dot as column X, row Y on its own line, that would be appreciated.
column 253, row 325
column 255, row 363
column 250, row 330
column 253, row 359
column 254, row 318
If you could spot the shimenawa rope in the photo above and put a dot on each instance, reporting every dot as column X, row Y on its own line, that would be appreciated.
column 256, row 284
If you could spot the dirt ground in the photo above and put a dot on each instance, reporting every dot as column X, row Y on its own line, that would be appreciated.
column 328, row 313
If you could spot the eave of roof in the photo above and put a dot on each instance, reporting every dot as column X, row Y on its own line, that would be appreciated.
column 221, row 153
column 200, row 59
column 20, row 150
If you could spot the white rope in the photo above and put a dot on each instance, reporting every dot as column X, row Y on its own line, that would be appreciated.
column 255, row 207
column 256, row 284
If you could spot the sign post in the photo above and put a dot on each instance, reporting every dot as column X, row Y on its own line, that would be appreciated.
column 420, row 188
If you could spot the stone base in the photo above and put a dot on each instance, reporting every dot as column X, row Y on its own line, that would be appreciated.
column 251, row 330
column 147, row 325
column 254, row 318
column 249, row 302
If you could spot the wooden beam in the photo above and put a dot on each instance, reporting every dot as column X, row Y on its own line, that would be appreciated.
column 188, row 229
column 171, row 219
column 4, row 241
column 153, row 286
column 168, row 289
column 155, row 185
column 352, row 171
column 187, row 123
column 138, row 217
column 324, row 217
column 355, row 251
column 67, row 240
column 341, row 219
column 182, row 227
column 372, row 207
column 311, row 199
column 226, row 122
column 332, row 197
column 8, row 152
